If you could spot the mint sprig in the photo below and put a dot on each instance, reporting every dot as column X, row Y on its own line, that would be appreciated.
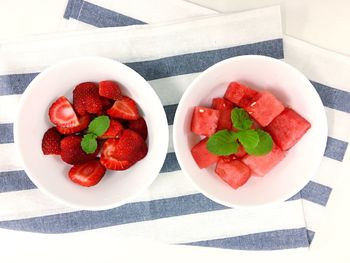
column 223, row 142
column 255, row 141
column 97, row 127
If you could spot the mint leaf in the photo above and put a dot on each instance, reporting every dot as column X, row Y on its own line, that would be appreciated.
column 99, row 125
column 89, row 143
column 248, row 138
column 240, row 119
column 223, row 143
column 263, row 147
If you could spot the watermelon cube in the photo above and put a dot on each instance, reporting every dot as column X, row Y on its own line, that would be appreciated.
column 240, row 94
column 287, row 129
column 261, row 165
column 241, row 152
column 233, row 172
column 204, row 121
column 224, row 107
column 265, row 108
column 202, row 156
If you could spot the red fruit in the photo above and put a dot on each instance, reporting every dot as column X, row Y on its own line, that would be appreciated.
column 224, row 107
column 109, row 89
column 72, row 153
column 261, row 165
column 61, row 113
column 51, row 142
column 87, row 174
column 139, row 126
column 120, row 154
column 233, row 172
column 241, row 152
column 202, row 156
column 204, row 121
column 287, row 129
column 114, row 131
column 265, row 108
column 124, row 108
column 240, row 94
column 106, row 103
column 83, row 124
column 86, row 98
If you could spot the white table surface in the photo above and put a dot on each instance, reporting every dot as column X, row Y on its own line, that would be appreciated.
column 321, row 22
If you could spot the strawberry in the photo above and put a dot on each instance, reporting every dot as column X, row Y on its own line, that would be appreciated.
column 106, row 103
column 114, row 131
column 72, row 153
column 86, row 98
column 87, row 174
column 139, row 126
column 61, row 113
column 51, row 142
column 83, row 124
column 109, row 89
column 124, row 108
column 120, row 154
column 108, row 156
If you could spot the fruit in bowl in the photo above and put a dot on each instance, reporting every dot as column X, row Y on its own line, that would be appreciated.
column 93, row 123
column 238, row 146
column 56, row 178
column 276, row 101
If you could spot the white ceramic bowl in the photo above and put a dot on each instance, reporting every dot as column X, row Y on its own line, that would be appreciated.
column 49, row 173
column 288, row 85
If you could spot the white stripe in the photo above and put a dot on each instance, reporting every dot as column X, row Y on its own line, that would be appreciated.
column 328, row 172
column 22, row 55
column 323, row 66
column 338, row 124
column 213, row 225
column 314, row 214
column 9, row 159
column 171, row 143
column 9, row 105
column 33, row 203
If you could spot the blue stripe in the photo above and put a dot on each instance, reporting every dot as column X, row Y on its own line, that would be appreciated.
column 101, row 17
column 335, row 149
column 333, row 98
column 272, row 240
column 15, row 181
column 128, row 213
column 310, row 235
column 164, row 67
column 76, row 7
column 200, row 61
column 6, row 133
column 69, row 8
column 316, row 193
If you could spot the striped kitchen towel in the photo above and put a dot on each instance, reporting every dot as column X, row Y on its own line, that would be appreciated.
column 315, row 63
column 169, row 56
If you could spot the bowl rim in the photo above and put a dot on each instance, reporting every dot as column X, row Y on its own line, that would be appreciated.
column 43, row 189
column 176, row 127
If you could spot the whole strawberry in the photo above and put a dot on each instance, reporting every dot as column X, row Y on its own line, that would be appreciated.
column 86, row 99
column 51, row 142
column 72, row 153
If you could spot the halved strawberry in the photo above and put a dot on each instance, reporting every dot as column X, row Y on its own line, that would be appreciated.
column 109, row 89
column 114, row 131
column 83, row 124
column 72, row 153
column 87, row 174
column 124, row 108
column 86, row 98
column 106, row 103
column 51, row 142
column 108, row 156
column 61, row 113
column 120, row 154
column 140, row 126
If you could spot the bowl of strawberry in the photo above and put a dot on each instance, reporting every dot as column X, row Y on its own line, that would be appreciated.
column 250, row 131
column 86, row 132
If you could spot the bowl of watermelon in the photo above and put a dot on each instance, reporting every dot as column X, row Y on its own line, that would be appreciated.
column 250, row 131
column 91, row 133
